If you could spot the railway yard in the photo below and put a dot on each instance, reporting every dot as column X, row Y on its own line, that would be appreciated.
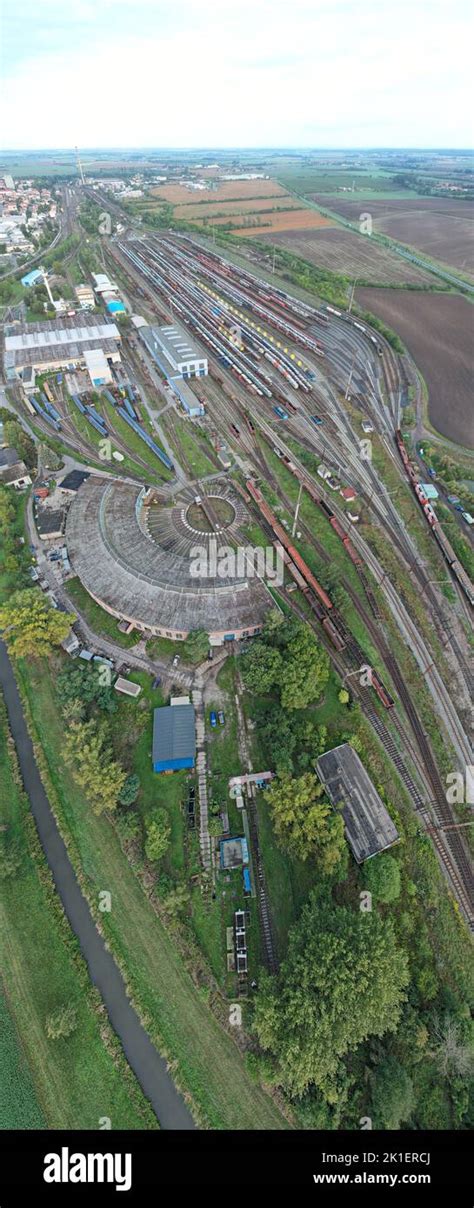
column 296, row 437
column 276, row 399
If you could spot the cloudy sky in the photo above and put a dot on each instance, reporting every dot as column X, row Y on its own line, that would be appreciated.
column 255, row 73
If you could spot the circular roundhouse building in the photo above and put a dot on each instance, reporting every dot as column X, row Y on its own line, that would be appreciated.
column 167, row 566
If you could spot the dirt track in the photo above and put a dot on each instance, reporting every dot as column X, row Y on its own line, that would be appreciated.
column 438, row 330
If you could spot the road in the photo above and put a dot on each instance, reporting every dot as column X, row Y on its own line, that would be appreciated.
column 149, row 1068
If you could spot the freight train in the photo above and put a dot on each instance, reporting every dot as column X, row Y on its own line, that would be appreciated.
column 446, row 548
column 322, row 605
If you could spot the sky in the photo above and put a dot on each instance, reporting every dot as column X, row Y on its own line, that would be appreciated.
column 236, row 73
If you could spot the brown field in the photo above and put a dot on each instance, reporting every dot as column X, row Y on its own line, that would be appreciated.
column 298, row 221
column 219, row 209
column 438, row 330
column 229, row 190
column 441, row 229
column 353, row 255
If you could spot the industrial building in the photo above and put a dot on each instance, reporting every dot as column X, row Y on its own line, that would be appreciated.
column 368, row 826
column 33, row 278
column 98, row 367
column 52, row 345
column 133, row 554
column 13, row 472
column 85, row 296
column 172, row 344
column 174, row 738
column 103, row 284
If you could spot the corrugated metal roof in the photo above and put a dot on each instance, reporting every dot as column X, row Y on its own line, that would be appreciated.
column 174, row 734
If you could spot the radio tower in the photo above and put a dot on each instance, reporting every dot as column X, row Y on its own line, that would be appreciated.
column 79, row 166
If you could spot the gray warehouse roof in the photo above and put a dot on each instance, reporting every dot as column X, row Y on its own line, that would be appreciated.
column 35, row 343
column 369, row 827
column 174, row 733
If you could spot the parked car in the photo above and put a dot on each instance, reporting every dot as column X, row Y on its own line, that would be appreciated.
column 221, row 716
column 213, row 719
column 156, row 682
column 176, row 660
column 453, row 498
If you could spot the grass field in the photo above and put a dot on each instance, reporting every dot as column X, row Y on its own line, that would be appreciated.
column 67, row 1083
column 205, row 1061
column 19, row 1107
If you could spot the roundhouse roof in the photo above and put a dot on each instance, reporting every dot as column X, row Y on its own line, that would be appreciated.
column 136, row 559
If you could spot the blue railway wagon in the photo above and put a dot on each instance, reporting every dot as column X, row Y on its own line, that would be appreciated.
column 110, row 397
column 148, row 441
column 79, row 403
column 52, row 411
column 96, row 422
column 129, row 409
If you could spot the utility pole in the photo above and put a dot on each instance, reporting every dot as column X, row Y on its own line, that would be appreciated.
column 273, row 265
column 352, row 295
column 346, row 396
column 293, row 531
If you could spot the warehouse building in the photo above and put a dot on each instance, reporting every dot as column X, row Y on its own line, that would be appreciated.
column 13, row 472
column 98, row 367
column 85, row 296
column 368, row 825
column 172, row 345
column 33, row 278
column 52, row 345
column 174, row 738
column 103, row 284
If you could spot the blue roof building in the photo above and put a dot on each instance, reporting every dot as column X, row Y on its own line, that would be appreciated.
column 116, row 307
column 174, row 738
column 32, row 278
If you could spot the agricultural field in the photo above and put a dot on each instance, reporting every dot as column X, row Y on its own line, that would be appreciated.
column 437, row 330
column 219, row 209
column 440, row 229
column 226, row 190
column 353, row 255
column 248, row 206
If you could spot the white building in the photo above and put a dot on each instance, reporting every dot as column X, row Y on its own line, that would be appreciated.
column 172, row 342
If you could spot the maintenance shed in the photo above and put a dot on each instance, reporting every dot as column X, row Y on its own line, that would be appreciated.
column 368, row 825
column 174, row 738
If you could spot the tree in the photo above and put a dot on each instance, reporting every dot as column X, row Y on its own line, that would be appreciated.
column 62, row 1023
column 343, row 980
column 158, row 834
column 273, row 620
column 84, row 683
column 261, row 667
column 197, row 645
column 130, row 790
column 343, row 696
column 305, row 671
column 215, row 826
column 382, row 877
column 453, row 1050
column 177, row 900
column 32, row 628
column 278, row 738
column 87, row 751
column 304, row 822
column 393, row 1096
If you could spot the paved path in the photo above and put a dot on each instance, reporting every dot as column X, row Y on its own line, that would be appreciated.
column 146, row 1063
